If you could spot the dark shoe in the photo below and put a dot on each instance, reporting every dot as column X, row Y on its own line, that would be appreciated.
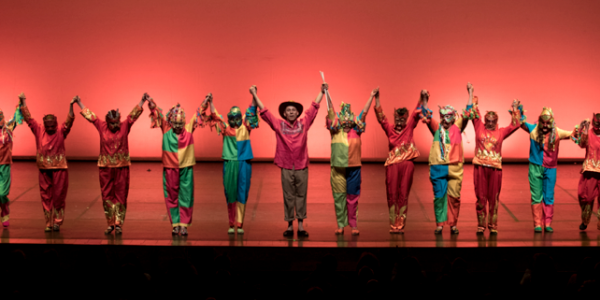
column 118, row 230
column 288, row 233
column 184, row 231
column 56, row 227
column 302, row 233
column 454, row 230
column 109, row 230
column 582, row 227
column 438, row 230
column 175, row 230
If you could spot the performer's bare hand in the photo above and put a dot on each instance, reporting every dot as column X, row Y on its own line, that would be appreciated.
column 75, row 100
column 145, row 97
column 585, row 126
column 470, row 88
column 253, row 90
column 515, row 105
column 151, row 103
column 22, row 98
column 324, row 87
column 375, row 92
column 424, row 95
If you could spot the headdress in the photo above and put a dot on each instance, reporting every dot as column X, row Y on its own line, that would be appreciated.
column 176, row 114
column 346, row 116
column 113, row 114
column 548, row 116
column 596, row 120
column 448, row 113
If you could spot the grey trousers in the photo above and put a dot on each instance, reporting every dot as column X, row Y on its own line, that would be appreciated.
column 295, row 185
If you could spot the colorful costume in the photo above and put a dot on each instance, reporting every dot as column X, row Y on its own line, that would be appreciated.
column 446, row 166
column 52, row 163
column 178, row 163
column 399, row 166
column 291, row 155
column 543, row 158
column 237, row 153
column 589, row 181
column 345, row 162
column 114, row 164
column 487, row 173
column 6, row 145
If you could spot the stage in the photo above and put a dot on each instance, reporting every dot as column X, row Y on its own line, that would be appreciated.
column 147, row 224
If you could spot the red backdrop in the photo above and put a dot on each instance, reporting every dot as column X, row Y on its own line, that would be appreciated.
column 110, row 52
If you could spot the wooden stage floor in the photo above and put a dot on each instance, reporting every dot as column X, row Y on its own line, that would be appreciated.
column 147, row 222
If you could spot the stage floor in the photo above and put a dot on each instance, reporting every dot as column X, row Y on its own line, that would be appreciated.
column 147, row 223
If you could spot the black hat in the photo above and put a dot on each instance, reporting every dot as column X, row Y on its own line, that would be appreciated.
column 285, row 104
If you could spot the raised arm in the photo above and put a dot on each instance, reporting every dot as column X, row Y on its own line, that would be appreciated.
column 374, row 93
column 68, row 124
column 324, row 89
column 253, row 92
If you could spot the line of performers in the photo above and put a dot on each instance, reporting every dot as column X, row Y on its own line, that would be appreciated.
column 291, row 156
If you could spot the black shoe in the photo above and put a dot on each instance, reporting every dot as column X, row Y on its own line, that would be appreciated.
column 582, row 227
column 302, row 233
column 56, row 227
column 288, row 233
column 175, row 230
column 118, row 230
column 184, row 231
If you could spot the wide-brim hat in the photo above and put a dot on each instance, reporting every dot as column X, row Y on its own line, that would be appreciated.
column 285, row 104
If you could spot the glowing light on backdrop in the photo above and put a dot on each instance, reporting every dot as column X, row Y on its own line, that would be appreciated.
column 544, row 53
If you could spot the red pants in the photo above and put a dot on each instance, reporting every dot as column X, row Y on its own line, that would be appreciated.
column 488, row 182
column 398, row 181
column 588, row 190
column 53, row 189
column 114, row 183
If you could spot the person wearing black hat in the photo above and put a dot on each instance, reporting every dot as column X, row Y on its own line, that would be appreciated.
column 291, row 155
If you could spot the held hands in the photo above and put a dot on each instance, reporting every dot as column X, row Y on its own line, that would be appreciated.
column 75, row 99
column 584, row 126
column 146, row 97
column 515, row 105
column 375, row 92
column 324, row 87
column 424, row 95
column 22, row 98
column 253, row 90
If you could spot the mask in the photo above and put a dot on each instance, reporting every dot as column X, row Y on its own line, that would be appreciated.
column 234, row 117
column 346, row 116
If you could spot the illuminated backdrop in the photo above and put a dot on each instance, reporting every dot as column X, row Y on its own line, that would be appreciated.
column 110, row 52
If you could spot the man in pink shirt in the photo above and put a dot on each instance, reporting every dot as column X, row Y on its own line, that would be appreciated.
column 291, row 155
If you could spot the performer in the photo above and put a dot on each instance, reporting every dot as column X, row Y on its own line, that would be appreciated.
column 237, row 153
column 399, row 166
column 178, row 161
column 544, row 141
column 51, row 161
column 291, row 155
column 346, row 129
column 487, row 171
column 589, row 181
column 445, row 164
column 114, row 161
column 6, row 145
